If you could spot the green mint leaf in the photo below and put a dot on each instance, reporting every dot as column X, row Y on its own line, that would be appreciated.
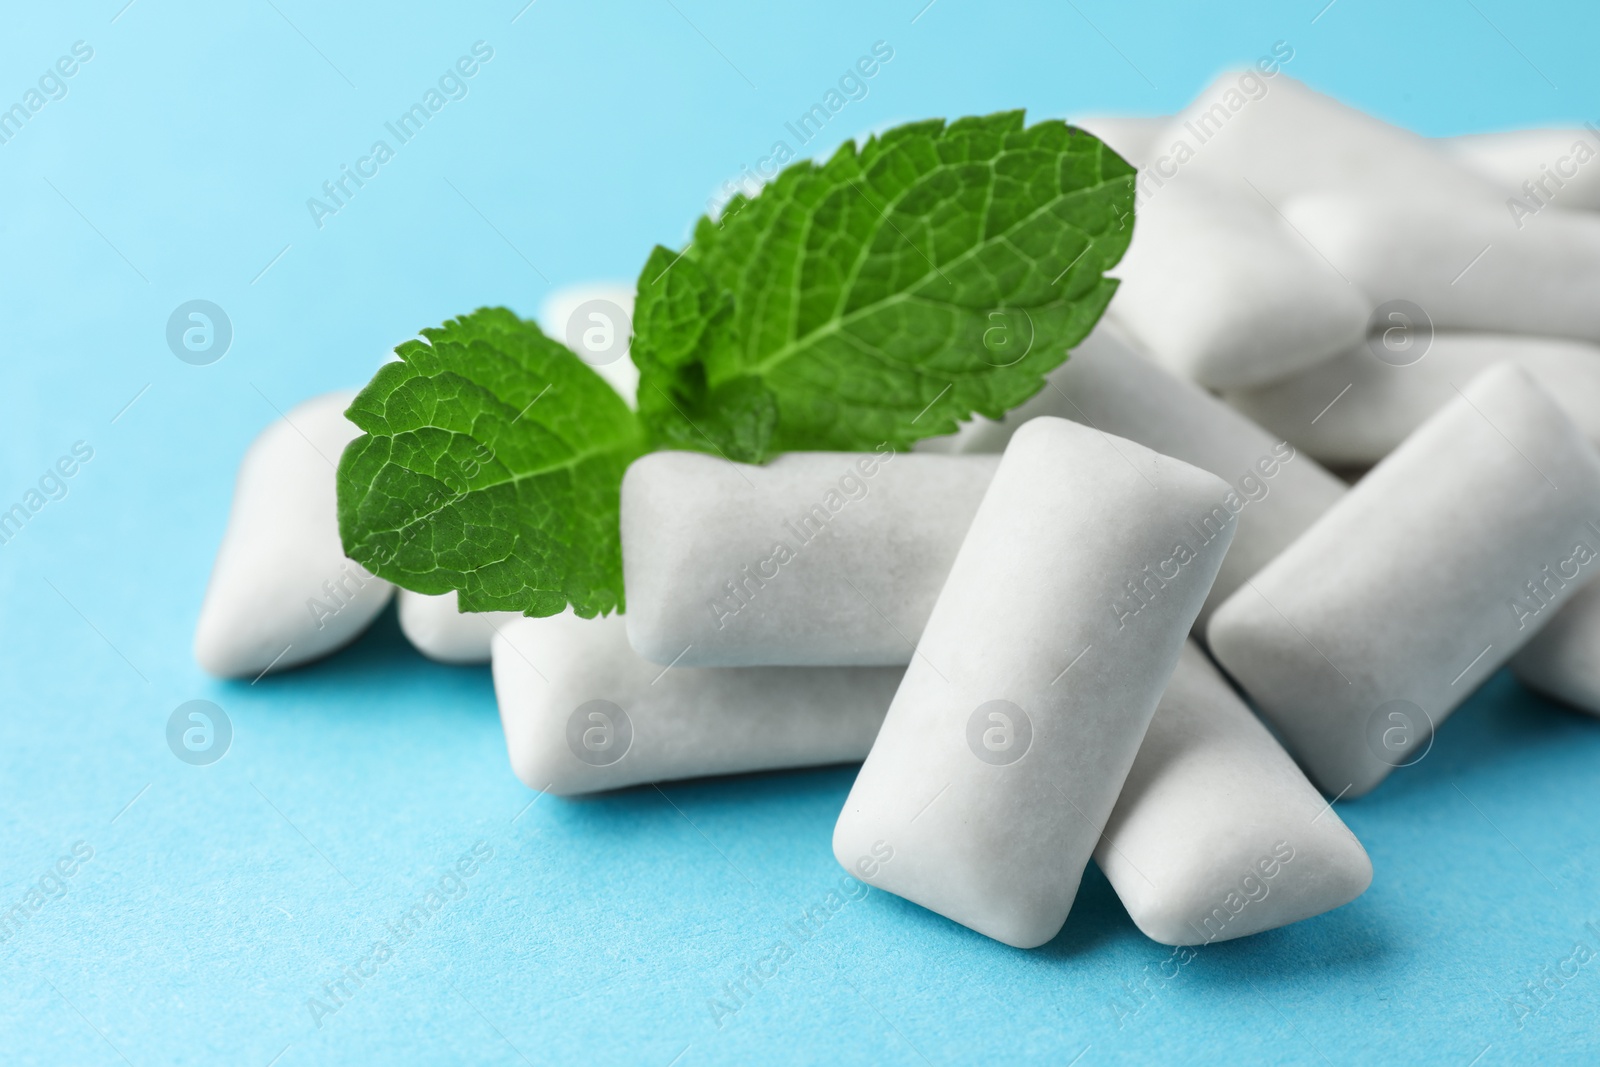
column 936, row 271
column 491, row 464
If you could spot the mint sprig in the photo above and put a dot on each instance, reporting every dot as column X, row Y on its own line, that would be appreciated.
column 936, row 271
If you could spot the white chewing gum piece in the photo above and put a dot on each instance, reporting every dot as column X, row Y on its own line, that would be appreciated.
column 1287, row 139
column 1356, row 408
column 437, row 629
column 1218, row 289
column 1563, row 659
column 1109, row 385
column 582, row 712
column 1551, row 165
column 1009, row 739
column 1429, row 574
column 282, row 591
column 1217, row 834
column 1467, row 265
column 814, row 559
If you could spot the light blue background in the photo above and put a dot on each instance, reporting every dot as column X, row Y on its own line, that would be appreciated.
column 178, row 166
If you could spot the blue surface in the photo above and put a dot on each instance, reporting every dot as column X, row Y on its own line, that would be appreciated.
column 220, row 899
